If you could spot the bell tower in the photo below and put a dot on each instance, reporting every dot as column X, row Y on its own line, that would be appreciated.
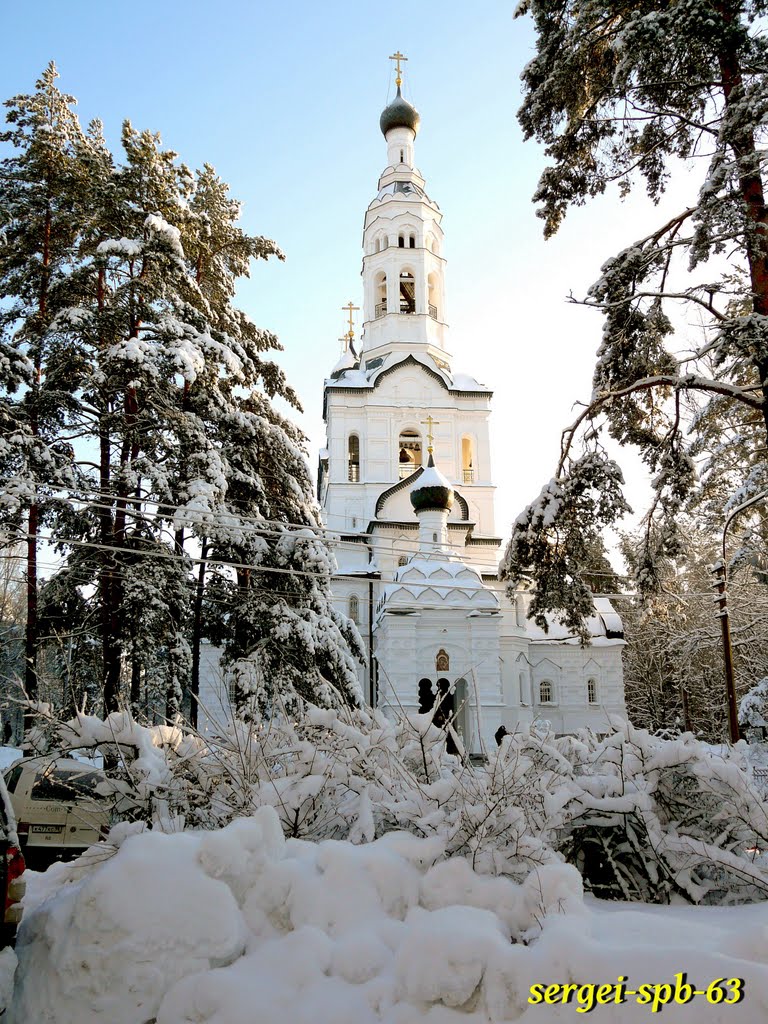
column 403, row 269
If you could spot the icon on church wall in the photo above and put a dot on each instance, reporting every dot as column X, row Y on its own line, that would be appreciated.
column 442, row 661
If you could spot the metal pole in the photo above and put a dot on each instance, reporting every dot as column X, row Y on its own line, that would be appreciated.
column 730, row 688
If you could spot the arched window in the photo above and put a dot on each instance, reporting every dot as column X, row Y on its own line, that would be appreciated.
column 409, row 453
column 433, row 297
column 592, row 691
column 546, row 694
column 407, row 292
column 377, row 245
column 380, row 299
column 412, row 242
column 467, row 461
column 401, row 241
column 353, row 458
column 354, row 608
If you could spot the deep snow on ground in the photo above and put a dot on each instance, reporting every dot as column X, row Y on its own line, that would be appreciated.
column 240, row 926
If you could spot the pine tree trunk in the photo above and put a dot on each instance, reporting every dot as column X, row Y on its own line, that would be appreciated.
column 752, row 193
column 30, row 637
column 109, row 653
column 135, row 684
column 197, row 636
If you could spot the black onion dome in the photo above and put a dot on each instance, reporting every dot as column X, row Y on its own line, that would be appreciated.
column 432, row 491
column 399, row 114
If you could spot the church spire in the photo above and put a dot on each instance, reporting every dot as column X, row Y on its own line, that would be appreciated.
column 403, row 270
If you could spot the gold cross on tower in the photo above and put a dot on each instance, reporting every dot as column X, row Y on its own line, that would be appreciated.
column 429, row 423
column 398, row 57
column 349, row 308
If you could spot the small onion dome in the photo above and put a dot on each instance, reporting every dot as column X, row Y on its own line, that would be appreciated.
column 399, row 114
column 432, row 492
column 346, row 362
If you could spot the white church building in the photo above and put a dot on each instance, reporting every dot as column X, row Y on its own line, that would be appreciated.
column 405, row 483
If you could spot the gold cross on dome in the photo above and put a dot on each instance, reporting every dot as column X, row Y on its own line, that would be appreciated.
column 398, row 57
column 349, row 308
column 429, row 423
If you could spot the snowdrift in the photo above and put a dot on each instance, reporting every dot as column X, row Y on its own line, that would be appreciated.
column 241, row 926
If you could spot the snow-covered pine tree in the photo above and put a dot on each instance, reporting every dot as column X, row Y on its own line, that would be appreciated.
column 619, row 91
column 178, row 444
column 38, row 179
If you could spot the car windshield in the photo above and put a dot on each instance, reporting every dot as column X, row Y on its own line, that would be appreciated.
column 63, row 784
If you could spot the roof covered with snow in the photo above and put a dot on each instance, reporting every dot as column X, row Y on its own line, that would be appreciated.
column 441, row 580
column 605, row 627
column 371, row 371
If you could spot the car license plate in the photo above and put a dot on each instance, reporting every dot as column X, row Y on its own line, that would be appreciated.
column 46, row 830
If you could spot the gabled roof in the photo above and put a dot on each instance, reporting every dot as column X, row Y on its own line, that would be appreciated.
column 408, row 481
column 355, row 380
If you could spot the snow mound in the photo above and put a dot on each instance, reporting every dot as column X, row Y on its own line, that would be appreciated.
column 241, row 925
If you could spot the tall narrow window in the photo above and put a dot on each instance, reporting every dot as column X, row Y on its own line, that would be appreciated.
column 545, row 692
column 412, row 242
column 402, row 156
column 467, row 462
column 353, row 458
column 401, row 241
column 407, row 292
column 433, row 298
column 409, row 453
column 380, row 284
column 592, row 691
column 354, row 608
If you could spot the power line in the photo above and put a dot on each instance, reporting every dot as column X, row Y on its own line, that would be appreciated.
column 259, row 528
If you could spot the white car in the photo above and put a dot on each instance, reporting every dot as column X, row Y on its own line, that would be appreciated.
column 62, row 807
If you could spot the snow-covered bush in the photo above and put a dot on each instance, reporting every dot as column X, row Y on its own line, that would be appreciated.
column 642, row 817
column 651, row 817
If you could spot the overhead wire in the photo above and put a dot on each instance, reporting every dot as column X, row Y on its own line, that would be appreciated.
column 260, row 526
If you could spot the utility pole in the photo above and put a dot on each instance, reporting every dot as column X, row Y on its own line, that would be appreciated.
column 721, row 598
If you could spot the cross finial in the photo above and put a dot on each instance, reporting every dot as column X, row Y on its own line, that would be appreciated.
column 429, row 423
column 398, row 57
column 349, row 308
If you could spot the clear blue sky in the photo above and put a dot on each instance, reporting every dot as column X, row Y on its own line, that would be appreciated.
column 284, row 100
